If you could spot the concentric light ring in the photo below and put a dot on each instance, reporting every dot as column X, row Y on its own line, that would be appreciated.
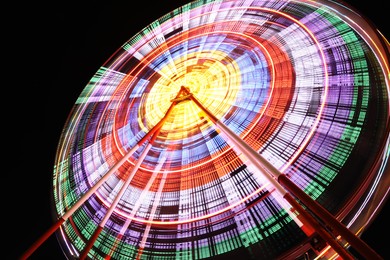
column 296, row 80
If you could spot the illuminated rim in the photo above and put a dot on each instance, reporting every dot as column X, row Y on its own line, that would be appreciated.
column 299, row 81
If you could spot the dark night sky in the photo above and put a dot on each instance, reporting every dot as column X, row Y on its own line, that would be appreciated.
column 57, row 50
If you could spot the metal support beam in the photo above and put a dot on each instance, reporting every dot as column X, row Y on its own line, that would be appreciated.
column 359, row 245
column 277, row 178
column 94, row 188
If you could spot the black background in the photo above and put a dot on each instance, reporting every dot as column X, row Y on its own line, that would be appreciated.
column 51, row 52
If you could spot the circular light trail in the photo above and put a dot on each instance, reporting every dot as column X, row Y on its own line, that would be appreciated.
column 303, row 83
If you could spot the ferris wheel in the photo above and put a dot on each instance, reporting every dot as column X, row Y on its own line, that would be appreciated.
column 229, row 128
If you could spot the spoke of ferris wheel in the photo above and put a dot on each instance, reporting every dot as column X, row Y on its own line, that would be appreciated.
column 118, row 197
column 276, row 178
column 94, row 188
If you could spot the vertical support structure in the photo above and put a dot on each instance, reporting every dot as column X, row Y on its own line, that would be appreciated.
column 359, row 245
column 94, row 188
column 276, row 178
column 320, row 230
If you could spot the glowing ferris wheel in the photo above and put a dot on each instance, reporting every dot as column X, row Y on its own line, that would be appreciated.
column 229, row 127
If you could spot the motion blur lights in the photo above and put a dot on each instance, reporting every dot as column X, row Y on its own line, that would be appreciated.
column 304, row 83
